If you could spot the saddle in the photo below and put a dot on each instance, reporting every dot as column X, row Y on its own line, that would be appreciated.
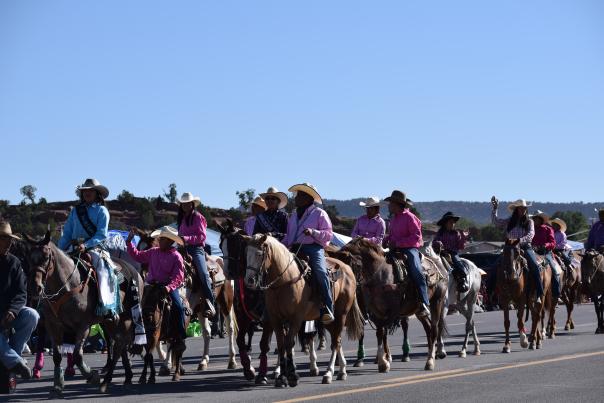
column 398, row 261
column 333, row 268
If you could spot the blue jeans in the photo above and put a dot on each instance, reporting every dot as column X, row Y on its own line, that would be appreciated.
column 457, row 263
column 316, row 258
column 178, row 307
column 199, row 261
column 549, row 257
column 11, row 347
column 534, row 269
column 414, row 264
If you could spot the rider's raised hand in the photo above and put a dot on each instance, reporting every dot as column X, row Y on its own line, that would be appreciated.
column 494, row 202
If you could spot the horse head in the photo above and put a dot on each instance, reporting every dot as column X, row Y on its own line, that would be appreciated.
column 41, row 263
column 591, row 263
column 155, row 299
column 369, row 256
column 513, row 263
column 233, row 244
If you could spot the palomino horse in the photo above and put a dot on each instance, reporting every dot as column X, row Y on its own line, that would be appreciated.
column 592, row 273
column 161, row 324
column 279, row 275
column 68, row 295
column 513, row 283
column 388, row 302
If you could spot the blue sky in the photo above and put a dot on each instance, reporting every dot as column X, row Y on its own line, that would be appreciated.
column 447, row 100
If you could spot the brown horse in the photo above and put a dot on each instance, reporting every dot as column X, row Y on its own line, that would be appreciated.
column 571, row 288
column 161, row 325
column 68, row 295
column 552, row 302
column 279, row 275
column 512, row 284
column 592, row 273
column 388, row 302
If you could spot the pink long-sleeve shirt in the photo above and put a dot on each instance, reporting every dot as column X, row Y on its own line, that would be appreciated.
column 405, row 230
column 194, row 234
column 165, row 268
column 314, row 219
column 372, row 229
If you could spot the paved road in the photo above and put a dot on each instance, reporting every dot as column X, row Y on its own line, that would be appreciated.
column 569, row 368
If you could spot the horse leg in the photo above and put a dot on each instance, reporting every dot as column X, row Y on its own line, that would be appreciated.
column 383, row 364
column 406, row 344
column 360, row 352
column 91, row 376
column 334, row 353
column 59, row 380
column 521, row 331
column 230, row 325
column 281, row 379
column 265, row 345
column 337, row 335
column 387, row 354
column 432, row 340
column 119, row 347
column 128, row 374
column 248, row 371
column 321, row 333
column 152, row 367
column 290, row 343
column 205, row 358
column 39, row 363
column 535, row 319
column 468, row 313
column 167, row 358
column 506, row 326
column 143, row 378
column 179, row 348
column 314, row 368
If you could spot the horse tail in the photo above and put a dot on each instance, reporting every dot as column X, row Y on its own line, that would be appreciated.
column 354, row 322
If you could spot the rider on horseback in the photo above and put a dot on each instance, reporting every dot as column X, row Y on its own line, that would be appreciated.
column 273, row 221
column 453, row 241
column 192, row 229
column 370, row 226
column 258, row 206
column 166, row 266
column 596, row 234
column 405, row 236
column 544, row 244
column 562, row 250
column 309, row 231
column 86, row 231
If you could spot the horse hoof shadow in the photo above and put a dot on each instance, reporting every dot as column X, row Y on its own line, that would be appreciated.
column 55, row 394
column 359, row 363
column 164, row 370
column 261, row 380
column 405, row 358
column 281, row 381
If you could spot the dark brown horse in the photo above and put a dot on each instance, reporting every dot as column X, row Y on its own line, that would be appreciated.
column 387, row 302
column 592, row 273
column 571, row 288
column 68, row 296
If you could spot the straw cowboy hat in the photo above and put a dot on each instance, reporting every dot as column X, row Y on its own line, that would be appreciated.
column 560, row 222
column 187, row 197
column 541, row 214
column 167, row 232
column 92, row 183
column 370, row 202
column 518, row 203
column 447, row 216
column 399, row 197
column 273, row 192
column 5, row 230
column 309, row 190
column 259, row 201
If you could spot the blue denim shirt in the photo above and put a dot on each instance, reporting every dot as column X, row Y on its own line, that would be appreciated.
column 99, row 215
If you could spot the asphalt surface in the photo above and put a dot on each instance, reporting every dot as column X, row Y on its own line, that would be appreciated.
column 568, row 368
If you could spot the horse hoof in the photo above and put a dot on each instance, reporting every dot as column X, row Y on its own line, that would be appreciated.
column 281, row 382
column 142, row 381
column 202, row 366
column 128, row 381
column 441, row 355
column 477, row 352
column 261, row 380
column 292, row 380
column 232, row 365
column 182, row 371
column 538, row 346
column 164, row 370
column 55, row 393
column 95, row 378
column 429, row 365
column 567, row 328
column 531, row 346
column 342, row 376
column 506, row 349
column 176, row 377
column 151, row 380
column 103, row 387
column 103, row 370
column 36, row 374
column 551, row 336
column 69, row 372
column 524, row 343
column 572, row 325
column 326, row 379
column 249, row 374
column 383, row 368
column 375, row 361
column 462, row 354
column 314, row 372
column 405, row 358
column 359, row 363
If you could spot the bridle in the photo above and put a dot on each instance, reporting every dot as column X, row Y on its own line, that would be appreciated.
column 517, row 260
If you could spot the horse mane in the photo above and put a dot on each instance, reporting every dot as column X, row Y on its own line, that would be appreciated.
column 278, row 252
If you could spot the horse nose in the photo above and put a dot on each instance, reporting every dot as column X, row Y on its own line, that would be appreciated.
column 39, row 289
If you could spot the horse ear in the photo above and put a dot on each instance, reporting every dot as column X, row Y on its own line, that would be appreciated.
column 46, row 239
column 247, row 238
column 221, row 229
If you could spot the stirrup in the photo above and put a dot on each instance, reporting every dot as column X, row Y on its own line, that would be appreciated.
column 326, row 316
column 210, row 311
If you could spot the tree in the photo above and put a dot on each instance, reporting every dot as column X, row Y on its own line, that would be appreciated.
column 29, row 193
column 332, row 212
column 574, row 220
column 125, row 197
column 171, row 195
column 246, row 197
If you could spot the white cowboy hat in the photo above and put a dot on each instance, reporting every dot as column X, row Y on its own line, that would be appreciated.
column 92, row 183
column 167, row 232
column 309, row 190
column 259, row 201
column 370, row 202
column 6, row 230
column 187, row 197
column 273, row 192
column 560, row 222
column 541, row 214
column 518, row 203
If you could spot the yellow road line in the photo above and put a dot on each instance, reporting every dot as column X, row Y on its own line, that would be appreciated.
column 440, row 376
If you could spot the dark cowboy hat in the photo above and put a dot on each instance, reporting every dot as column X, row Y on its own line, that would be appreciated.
column 399, row 197
column 446, row 217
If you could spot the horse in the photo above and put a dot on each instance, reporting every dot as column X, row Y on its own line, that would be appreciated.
column 552, row 302
column 513, row 286
column 68, row 296
column 277, row 272
column 388, row 302
column 161, row 325
column 592, row 274
column 571, row 289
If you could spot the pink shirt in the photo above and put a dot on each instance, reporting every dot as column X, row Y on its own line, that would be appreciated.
column 372, row 229
column 165, row 268
column 313, row 218
column 405, row 230
column 249, row 225
column 194, row 234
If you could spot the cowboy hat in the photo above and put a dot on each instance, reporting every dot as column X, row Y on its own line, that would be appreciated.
column 541, row 214
column 309, row 190
column 370, row 202
column 187, row 197
column 447, row 216
column 92, row 183
column 399, row 197
column 167, row 232
column 259, row 201
column 5, row 230
column 560, row 222
column 273, row 192
column 518, row 203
